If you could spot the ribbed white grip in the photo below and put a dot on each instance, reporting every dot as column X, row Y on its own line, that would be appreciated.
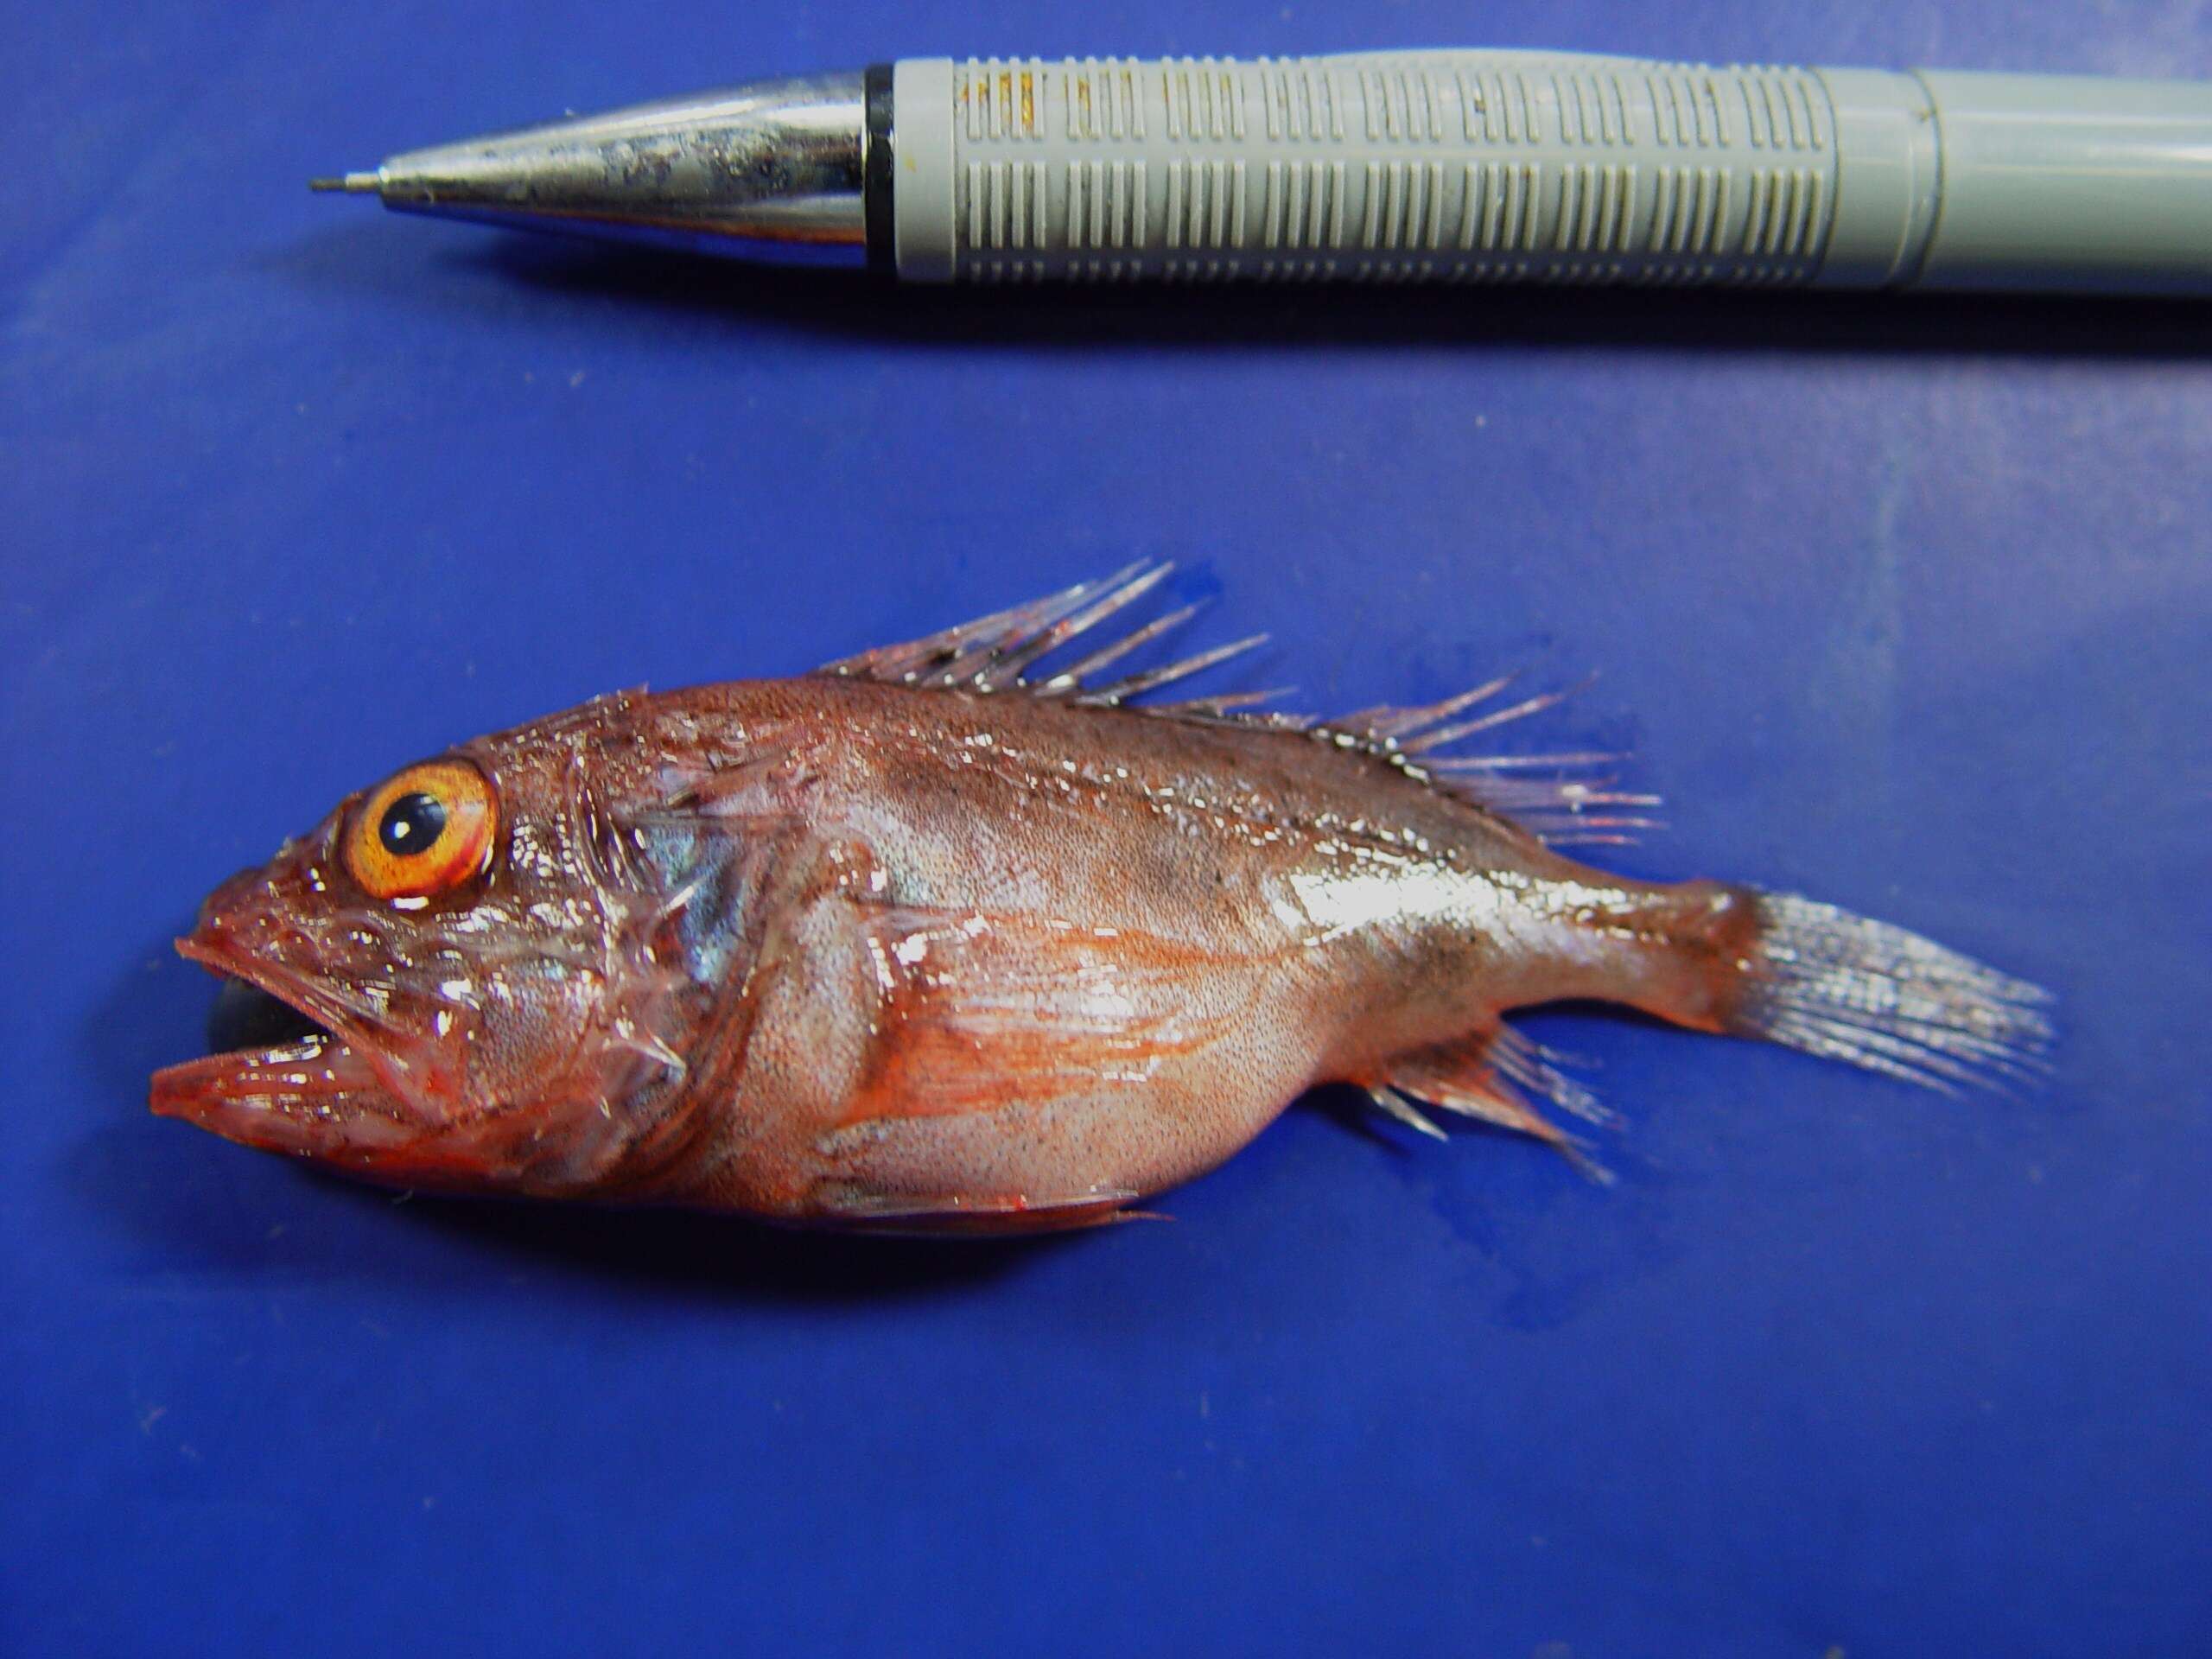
column 1386, row 167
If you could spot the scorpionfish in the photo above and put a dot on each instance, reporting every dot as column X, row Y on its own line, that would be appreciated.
column 941, row 937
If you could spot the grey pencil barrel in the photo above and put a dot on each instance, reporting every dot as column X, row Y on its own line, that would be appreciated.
column 1435, row 166
column 2061, row 181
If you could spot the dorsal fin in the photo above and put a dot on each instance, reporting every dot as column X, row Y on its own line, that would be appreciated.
column 996, row 653
column 1561, row 799
column 1564, row 799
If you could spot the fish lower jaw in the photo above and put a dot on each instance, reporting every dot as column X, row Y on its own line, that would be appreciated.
column 308, row 1096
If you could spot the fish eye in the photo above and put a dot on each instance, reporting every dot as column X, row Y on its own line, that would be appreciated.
column 411, row 824
column 422, row 832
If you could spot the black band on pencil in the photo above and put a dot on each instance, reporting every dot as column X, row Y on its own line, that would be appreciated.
column 876, row 175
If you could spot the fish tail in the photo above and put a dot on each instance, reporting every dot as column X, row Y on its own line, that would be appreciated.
column 1820, row 979
column 1735, row 961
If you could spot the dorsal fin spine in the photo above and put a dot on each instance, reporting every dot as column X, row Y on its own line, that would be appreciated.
column 994, row 655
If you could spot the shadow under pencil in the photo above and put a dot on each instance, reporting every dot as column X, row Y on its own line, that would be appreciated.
column 1093, row 318
column 417, row 267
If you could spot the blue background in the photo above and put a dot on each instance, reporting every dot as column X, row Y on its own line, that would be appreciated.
column 1905, row 605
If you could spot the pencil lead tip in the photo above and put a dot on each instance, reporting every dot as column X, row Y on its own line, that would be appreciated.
column 355, row 184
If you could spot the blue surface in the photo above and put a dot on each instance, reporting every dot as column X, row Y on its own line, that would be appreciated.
column 1905, row 605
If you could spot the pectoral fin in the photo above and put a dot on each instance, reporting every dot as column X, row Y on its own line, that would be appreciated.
column 981, row 1012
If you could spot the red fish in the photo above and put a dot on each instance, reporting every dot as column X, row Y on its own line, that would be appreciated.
column 941, row 937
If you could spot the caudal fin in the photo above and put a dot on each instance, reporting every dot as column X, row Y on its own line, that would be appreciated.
column 1832, row 983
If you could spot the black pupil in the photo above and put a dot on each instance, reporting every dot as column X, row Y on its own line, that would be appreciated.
column 411, row 823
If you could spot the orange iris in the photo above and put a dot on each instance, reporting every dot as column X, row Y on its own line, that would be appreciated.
column 425, row 831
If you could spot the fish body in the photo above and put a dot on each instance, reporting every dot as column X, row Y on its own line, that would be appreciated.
column 932, row 941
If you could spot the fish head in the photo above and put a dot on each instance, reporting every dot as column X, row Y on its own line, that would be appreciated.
column 454, row 981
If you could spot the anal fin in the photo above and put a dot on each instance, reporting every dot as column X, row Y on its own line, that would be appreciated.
column 1491, row 1079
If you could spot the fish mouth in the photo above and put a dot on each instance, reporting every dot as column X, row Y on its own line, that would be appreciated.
column 291, row 1071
